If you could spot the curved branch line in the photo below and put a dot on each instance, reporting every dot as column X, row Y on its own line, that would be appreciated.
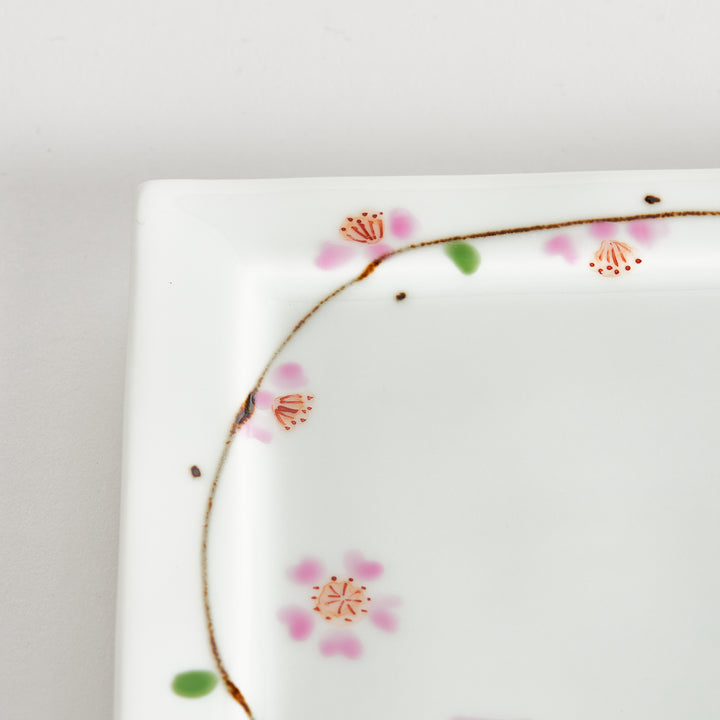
column 248, row 407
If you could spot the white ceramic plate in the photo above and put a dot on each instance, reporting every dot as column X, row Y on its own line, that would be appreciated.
column 510, row 468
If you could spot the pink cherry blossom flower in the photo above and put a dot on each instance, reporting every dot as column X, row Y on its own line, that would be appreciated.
column 339, row 605
column 367, row 232
column 615, row 255
column 614, row 258
column 278, row 407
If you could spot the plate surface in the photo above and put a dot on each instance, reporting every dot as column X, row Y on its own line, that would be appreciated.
column 479, row 483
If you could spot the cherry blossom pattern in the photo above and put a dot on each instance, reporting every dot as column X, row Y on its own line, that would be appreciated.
column 337, row 604
column 281, row 406
column 366, row 232
column 613, row 256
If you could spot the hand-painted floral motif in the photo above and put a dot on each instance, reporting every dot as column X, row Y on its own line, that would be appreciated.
column 614, row 256
column 275, row 407
column 337, row 604
column 368, row 229
column 289, row 410
column 341, row 601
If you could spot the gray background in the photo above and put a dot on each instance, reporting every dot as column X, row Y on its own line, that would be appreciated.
column 99, row 96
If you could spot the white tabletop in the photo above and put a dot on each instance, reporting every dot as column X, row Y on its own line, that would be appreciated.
column 98, row 97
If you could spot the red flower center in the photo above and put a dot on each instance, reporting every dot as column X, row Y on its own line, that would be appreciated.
column 341, row 601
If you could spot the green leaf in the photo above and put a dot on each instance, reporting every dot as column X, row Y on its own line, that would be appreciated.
column 194, row 683
column 465, row 256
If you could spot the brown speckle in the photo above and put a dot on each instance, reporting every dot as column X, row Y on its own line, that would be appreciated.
column 195, row 471
column 652, row 199
column 401, row 296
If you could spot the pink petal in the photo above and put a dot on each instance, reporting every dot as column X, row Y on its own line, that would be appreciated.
column 561, row 245
column 603, row 229
column 345, row 644
column 402, row 223
column 386, row 601
column 333, row 255
column 298, row 620
column 264, row 399
column 384, row 619
column 376, row 251
column 289, row 376
column 361, row 568
column 644, row 231
column 307, row 572
column 252, row 430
